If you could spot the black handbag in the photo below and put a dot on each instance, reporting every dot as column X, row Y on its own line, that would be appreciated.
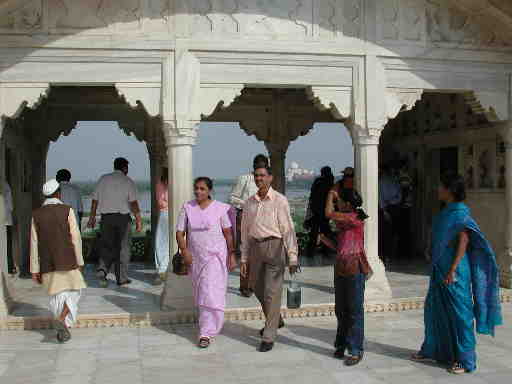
column 178, row 265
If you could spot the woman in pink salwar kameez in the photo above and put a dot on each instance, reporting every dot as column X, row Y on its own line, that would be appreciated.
column 205, row 240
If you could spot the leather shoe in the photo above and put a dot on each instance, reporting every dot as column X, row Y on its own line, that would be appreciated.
column 281, row 325
column 265, row 347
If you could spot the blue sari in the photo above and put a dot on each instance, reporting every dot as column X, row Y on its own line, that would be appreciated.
column 451, row 310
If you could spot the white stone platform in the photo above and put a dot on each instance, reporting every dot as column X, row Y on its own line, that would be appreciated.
column 139, row 303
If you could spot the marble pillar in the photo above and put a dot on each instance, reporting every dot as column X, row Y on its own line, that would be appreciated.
column 277, row 157
column 177, row 293
column 367, row 152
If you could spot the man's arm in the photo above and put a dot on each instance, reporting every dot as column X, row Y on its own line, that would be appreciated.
column 76, row 238
column 134, row 207
column 34, row 254
column 92, row 218
column 287, row 229
column 244, row 233
column 237, row 192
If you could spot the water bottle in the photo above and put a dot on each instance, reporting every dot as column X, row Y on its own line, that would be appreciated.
column 294, row 293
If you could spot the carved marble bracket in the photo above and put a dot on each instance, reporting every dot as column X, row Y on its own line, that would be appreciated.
column 400, row 99
column 141, row 95
column 14, row 97
column 215, row 97
column 338, row 100
column 493, row 105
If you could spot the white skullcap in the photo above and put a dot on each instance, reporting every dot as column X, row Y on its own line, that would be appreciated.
column 50, row 187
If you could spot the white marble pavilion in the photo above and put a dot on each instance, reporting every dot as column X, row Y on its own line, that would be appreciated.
column 427, row 79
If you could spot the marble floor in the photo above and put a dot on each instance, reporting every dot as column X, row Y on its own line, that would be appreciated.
column 406, row 280
column 302, row 355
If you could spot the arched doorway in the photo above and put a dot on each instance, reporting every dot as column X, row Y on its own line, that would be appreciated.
column 26, row 140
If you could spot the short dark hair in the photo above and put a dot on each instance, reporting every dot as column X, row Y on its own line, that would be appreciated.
column 260, row 161
column 455, row 184
column 63, row 175
column 265, row 167
column 120, row 163
column 206, row 180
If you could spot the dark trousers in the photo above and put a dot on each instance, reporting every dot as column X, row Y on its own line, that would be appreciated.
column 10, row 254
column 114, row 229
column 318, row 225
column 388, row 233
column 349, row 308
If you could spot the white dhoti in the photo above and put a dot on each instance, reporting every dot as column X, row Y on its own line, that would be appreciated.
column 70, row 298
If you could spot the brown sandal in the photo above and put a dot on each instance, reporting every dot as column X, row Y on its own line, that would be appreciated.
column 204, row 342
column 418, row 357
column 457, row 368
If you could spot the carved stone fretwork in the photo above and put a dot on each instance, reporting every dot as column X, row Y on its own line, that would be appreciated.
column 159, row 14
column 142, row 95
column 271, row 17
column 440, row 22
column 216, row 97
column 401, row 99
column 337, row 100
column 340, row 18
column 264, row 17
column 412, row 20
column 275, row 114
column 449, row 25
column 77, row 15
column 27, row 18
column 126, row 14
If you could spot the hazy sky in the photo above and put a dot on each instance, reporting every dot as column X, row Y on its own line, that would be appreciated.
column 222, row 151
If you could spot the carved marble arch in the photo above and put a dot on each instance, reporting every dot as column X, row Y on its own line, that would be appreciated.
column 437, row 111
column 281, row 114
column 63, row 106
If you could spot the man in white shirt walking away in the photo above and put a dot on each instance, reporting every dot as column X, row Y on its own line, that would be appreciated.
column 70, row 194
column 114, row 198
column 244, row 188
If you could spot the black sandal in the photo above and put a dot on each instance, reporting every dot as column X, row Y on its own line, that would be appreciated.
column 204, row 342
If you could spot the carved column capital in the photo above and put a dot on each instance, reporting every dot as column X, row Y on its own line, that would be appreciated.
column 175, row 136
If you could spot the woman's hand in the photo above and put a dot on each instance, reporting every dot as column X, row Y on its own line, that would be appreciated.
column 334, row 195
column 450, row 278
column 187, row 257
column 231, row 261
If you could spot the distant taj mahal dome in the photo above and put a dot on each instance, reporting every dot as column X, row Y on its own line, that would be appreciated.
column 295, row 172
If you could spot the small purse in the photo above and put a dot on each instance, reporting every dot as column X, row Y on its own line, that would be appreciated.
column 178, row 265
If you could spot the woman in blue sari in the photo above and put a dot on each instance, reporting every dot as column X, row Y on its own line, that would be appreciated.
column 464, row 285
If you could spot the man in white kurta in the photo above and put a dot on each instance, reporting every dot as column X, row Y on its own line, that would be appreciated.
column 59, row 274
